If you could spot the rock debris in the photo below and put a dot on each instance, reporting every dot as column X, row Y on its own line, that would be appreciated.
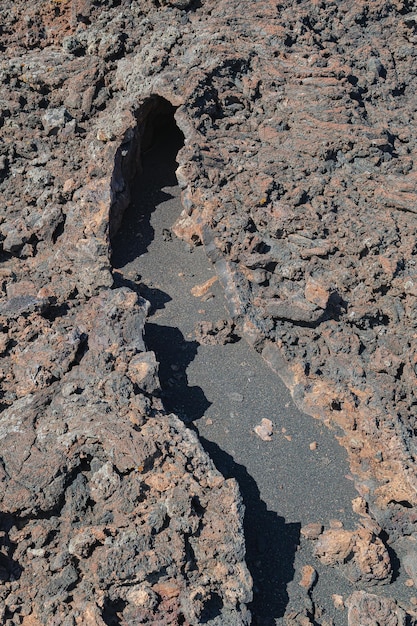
column 298, row 177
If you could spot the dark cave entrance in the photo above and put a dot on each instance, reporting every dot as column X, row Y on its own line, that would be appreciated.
column 156, row 126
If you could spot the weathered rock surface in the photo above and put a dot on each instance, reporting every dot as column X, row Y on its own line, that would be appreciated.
column 298, row 176
column 367, row 608
column 360, row 554
column 110, row 505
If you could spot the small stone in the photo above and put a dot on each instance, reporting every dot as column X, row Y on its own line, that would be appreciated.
column 313, row 445
column 215, row 333
column 36, row 552
column 167, row 589
column 55, row 119
column 316, row 293
column 360, row 506
column 69, row 185
column 308, row 577
column 234, row 396
column 361, row 555
column 368, row 609
column 44, row 293
column 336, row 523
column 105, row 135
column 143, row 371
column 136, row 419
column 200, row 290
column 312, row 531
column 142, row 596
column 409, row 582
column 338, row 602
column 265, row 429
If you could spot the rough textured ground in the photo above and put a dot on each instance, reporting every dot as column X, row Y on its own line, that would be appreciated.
column 109, row 504
column 298, row 178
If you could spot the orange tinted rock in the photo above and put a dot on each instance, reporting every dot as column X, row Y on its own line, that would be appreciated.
column 367, row 609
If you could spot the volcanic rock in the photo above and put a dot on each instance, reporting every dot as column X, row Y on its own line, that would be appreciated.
column 215, row 333
column 368, row 609
column 265, row 429
column 298, row 177
column 361, row 555
column 308, row 577
column 108, row 503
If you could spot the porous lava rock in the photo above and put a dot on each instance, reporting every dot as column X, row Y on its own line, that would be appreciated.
column 360, row 555
column 109, row 504
column 367, row 608
column 298, row 177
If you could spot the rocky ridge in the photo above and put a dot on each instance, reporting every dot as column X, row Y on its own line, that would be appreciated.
column 298, row 178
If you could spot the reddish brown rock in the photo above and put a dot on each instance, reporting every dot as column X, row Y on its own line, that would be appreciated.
column 308, row 577
column 368, row 609
column 312, row 531
column 360, row 555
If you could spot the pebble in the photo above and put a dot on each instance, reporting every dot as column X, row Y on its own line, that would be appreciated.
column 200, row 290
column 36, row 552
column 335, row 523
column 338, row 602
column 235, row 396
column 312, row 531
column 360, row 506
column 308, row 577
column 265, row 429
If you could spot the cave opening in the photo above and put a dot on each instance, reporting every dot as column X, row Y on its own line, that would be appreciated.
column 155, row 141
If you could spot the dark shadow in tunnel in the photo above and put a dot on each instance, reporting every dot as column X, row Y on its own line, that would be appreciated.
column 271, row 544
column 161, row 139
column 174, row 354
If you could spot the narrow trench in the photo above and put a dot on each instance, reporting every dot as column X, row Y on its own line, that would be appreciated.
column 223, row 392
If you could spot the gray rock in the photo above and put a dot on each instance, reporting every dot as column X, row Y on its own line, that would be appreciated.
column 55, row 119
